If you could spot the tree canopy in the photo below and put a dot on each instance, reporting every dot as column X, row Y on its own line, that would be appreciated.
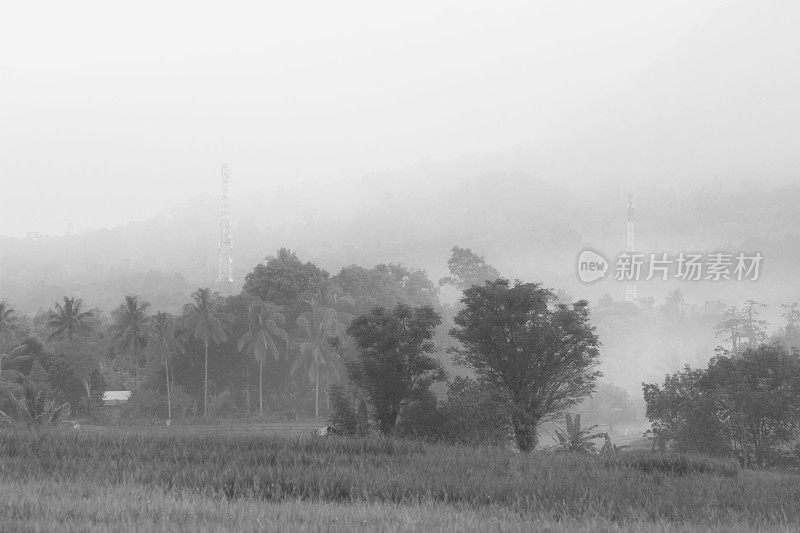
column 392, row 363
column 541, row 356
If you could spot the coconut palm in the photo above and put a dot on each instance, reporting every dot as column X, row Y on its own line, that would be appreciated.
column 316, row 328
column 161, row 344
column 14, row 358
column 265, row 323
column 17, row 354
column 7, row 319
column 206, row 321
column 130, row 327
column 69, row 320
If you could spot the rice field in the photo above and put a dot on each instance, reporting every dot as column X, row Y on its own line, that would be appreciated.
column 154, row 479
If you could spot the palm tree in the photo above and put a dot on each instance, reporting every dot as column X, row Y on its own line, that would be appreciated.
column 206, row 321
column 69, row 320
column 316, row 327
column 14, row 358
column 130, row 327
column 162, row 344
column 7, row 319
column 264, row 326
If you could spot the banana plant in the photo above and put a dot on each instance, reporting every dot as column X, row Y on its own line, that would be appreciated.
column 575, row 439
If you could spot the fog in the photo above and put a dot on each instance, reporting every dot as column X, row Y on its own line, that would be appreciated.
column 111, row 115
column 362, row 133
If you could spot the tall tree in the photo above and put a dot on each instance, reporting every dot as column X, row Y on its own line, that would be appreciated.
column 283, row 280
column 541, row 356
column 206, row 321
column 130, row 328
column 754, row 328
column 17, row 354
column 467, row 269
column 70, row 320
column 392, row 363
column 7, row 321
column 162, row 344
column 265, row 327
column 316, row 328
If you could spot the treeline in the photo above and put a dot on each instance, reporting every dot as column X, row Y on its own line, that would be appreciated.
column 276, row 349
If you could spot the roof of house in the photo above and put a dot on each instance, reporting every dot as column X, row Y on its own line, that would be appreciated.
column 116, row 397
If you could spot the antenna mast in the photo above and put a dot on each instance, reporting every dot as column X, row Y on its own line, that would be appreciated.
column 630, row 290
column 225, row 275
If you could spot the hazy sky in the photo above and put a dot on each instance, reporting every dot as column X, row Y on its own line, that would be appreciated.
column 111, row 114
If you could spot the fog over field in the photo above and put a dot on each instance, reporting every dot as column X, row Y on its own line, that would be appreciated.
column 358, row 135
column 441, row 265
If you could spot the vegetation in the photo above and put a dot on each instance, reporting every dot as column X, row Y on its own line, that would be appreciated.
column 70, row 320
column 745, row 404
column 206, row 322
column 541, row 356
column 628, row 491
column 392, row 362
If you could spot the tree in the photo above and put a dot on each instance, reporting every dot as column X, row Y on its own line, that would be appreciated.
column 747, row 403
column 753, row 328
column 7, row 321
column 162, row 344
column 70, row 320
column 14, row 358
column 283, row 280
column 541, row 356
column 206, row 321
column 392, row 363
column 730, row 327
column 130, row 325
column 385, row 285
column 75, row 372
column 316, row 328
column 791, row 330
column 467, row 269
column 681, row 415
column 756, row 395
column 265, row 326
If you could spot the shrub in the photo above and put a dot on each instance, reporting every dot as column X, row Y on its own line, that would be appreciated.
column 343, row 417
column 221, row 404
column 36, row 408
column 473, row 414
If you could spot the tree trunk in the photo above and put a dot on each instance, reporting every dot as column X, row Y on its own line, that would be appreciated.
column 316, row 389
column 261, row 386
column 247, row 385
column 169, row 398
column 205, row 385
column 524, row 431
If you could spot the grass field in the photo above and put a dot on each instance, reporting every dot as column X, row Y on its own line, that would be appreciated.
column 157, row 479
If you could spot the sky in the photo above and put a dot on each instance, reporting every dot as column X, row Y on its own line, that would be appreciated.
column 113, row 113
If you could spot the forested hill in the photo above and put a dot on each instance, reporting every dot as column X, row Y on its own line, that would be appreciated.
column 704, row 139
column 522, row 225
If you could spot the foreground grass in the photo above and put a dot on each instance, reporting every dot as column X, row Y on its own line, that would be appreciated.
column 146, row 480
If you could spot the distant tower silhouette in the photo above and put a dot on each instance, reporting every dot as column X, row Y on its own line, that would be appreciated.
column 225, row 276
column 630, row 290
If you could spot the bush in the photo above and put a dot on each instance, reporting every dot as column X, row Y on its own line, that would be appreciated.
column 343, row 417
column 222, row 404
column 146, row 403
column 473, row 414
